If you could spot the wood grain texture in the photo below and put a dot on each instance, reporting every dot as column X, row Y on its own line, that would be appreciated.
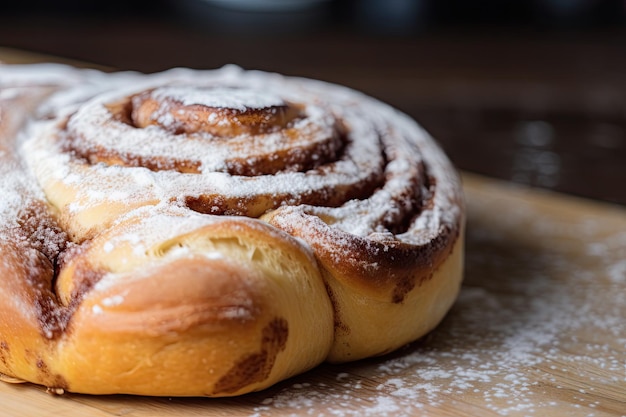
column 539, row 329
column 17, row 56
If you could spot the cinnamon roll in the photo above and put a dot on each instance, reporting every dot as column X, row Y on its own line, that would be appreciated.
column 213, row 232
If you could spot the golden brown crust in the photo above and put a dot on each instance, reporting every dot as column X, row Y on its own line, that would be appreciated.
column 166, row 238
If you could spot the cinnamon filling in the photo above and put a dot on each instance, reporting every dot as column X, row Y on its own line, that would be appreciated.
column 194, row 130
column 222, row 112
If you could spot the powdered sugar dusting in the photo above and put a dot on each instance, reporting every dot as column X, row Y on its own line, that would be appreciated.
column 240, row 99
column 39, row 75
column 18, row 188
column 12, row 192
column 93, row 129
column 369, row 126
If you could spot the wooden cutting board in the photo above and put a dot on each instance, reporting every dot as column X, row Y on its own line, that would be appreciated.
column 539, row 329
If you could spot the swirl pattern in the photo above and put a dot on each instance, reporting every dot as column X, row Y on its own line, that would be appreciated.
column 319, row 208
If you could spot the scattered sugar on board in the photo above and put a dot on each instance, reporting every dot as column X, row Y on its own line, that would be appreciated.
column 508, row 347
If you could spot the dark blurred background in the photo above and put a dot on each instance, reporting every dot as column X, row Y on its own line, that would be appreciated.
column 531, row 92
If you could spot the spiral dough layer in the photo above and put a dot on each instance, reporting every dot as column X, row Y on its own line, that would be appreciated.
column 213, row 232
